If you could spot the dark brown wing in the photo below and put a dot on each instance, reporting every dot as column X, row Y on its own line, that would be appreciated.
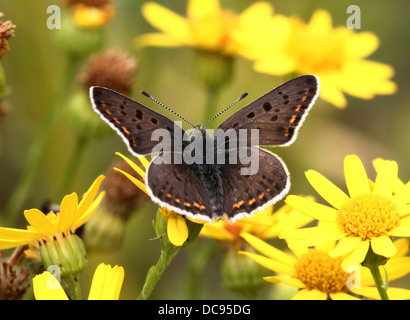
column 134, row 122
column 279, row 113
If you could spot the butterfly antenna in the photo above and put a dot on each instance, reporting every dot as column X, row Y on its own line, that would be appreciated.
column 162, row 105
column 236, row 101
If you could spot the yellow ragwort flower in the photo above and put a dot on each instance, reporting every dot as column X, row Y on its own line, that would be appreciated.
column 319, row 276
column 92, row 17
column 206, row 27
column 106, row 285
column 336, row 54
column 371, row 215
column 54, row 226
column 265, row 224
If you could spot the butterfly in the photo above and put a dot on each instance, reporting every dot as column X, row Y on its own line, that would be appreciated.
column 211, row 191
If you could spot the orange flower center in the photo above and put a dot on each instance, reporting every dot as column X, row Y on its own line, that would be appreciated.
column 368, row 216
column 317, row 270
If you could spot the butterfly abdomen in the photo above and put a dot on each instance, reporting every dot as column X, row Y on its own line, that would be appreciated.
column 210, row 177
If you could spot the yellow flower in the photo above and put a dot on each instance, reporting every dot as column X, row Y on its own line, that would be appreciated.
column 92, row 17
column 55, row 226
column 177, row 229
column 106, row 285
column 206, row 27
column 264, row 224
column 370, row 216
column 319, row 276
column 337, row 55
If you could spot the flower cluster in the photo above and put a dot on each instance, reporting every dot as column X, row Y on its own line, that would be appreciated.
column 356, row 231
column 278, row 45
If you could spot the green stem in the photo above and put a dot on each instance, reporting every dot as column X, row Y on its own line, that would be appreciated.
column 73, row 287
column 37, row 151
column 211, row 108
column 77, row 154
column 155, row 272
column 375, row 271
column 198, row 260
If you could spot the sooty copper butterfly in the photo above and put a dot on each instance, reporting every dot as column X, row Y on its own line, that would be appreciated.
column 213, row 189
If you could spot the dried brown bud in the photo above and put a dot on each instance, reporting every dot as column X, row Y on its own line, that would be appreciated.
column 14, row 279
column 111, row 69
column 120, row 191
column 6, row 31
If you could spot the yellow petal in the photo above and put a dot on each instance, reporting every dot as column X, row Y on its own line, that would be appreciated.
column 89, row 212
column 166, row 20
column 293, row 282
column 134, row 180
column 46, row 287
column 320, row 23
column 177, row 230
column 402, row 246
column 268, row 250
column 378, row 164
column 330, row 91
column 344, row 246
column 198, row 9
column 361, row 45
column 400, row 231
column 383, row 246
column 307, row 237
column 107, row 283
column 356, row 177
column 88, row 197
column 312, row 208
column 256, row 12
column 216, row 231
column 403, row 194
column 39, row 221
column 327, row 190
column 158, row 40
column 357, row 256
column 397, row 267
column 386, row 178
column 306, row 294
column 270, row 264
column 393, row 293
column 342, row 296
column 68, row 210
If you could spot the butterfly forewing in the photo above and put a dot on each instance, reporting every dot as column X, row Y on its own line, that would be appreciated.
column 133, row 121
column 279, row 113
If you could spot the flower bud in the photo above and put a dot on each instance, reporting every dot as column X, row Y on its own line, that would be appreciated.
column 241, row 274
column 67, row 253
column 213, row 69
column 76, row 40
column 14, row 279
column 373, row 260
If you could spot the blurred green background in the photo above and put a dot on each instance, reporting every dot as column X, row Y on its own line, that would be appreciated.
column 369, row 128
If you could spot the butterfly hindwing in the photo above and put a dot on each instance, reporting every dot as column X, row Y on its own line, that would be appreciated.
column 245, row 194
column 279, row 113
column 179, row 187
column 133, row 121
